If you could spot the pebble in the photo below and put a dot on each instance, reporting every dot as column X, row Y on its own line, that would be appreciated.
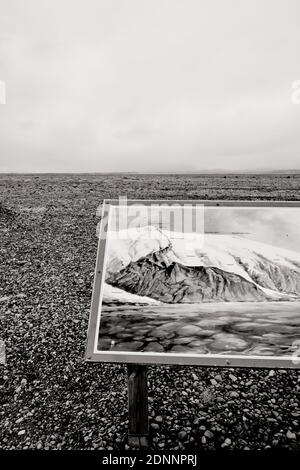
column 154, row 426
column 290, row 435
column 182, row 435
column 227, row 442
column 232, row 377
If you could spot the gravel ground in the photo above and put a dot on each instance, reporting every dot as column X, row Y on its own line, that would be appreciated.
column 50, row 398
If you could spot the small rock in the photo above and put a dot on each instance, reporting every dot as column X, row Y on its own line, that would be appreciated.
column 290, row 435
column 227, row 442
column 21, row 433
column 182, row 435
column 154, row 426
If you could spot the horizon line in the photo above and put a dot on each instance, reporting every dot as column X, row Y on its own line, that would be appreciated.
column 179, row 172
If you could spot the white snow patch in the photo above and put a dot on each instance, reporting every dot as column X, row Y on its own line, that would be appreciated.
column 114, row 294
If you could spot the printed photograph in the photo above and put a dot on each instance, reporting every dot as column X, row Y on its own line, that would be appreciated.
column 231, row 288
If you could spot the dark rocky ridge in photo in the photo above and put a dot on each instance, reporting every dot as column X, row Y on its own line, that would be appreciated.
column 158, row 277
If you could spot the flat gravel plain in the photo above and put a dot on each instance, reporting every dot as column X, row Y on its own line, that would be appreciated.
column 49, row 397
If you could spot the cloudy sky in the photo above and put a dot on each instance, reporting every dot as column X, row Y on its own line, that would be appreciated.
column 149, row 85
column 273, row 225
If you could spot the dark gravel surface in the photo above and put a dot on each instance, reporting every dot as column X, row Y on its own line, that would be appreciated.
column 49, row 397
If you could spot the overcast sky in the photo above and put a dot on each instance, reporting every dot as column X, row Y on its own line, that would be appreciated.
column 149, row 85
column 273, row 225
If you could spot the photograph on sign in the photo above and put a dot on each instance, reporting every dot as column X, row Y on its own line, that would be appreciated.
column 200, row 280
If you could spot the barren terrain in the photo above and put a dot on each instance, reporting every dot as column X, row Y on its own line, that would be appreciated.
column 50, row 398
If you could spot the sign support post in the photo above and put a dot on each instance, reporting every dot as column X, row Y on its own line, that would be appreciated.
column 138, row 429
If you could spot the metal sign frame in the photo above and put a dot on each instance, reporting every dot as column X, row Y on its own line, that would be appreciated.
column 210, row 360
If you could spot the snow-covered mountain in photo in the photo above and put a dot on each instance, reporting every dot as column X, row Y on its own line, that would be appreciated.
column 157, row 265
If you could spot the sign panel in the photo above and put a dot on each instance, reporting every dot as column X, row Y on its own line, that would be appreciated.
column 198, row 283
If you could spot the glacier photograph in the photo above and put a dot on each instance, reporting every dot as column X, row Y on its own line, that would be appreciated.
column 232, row 288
